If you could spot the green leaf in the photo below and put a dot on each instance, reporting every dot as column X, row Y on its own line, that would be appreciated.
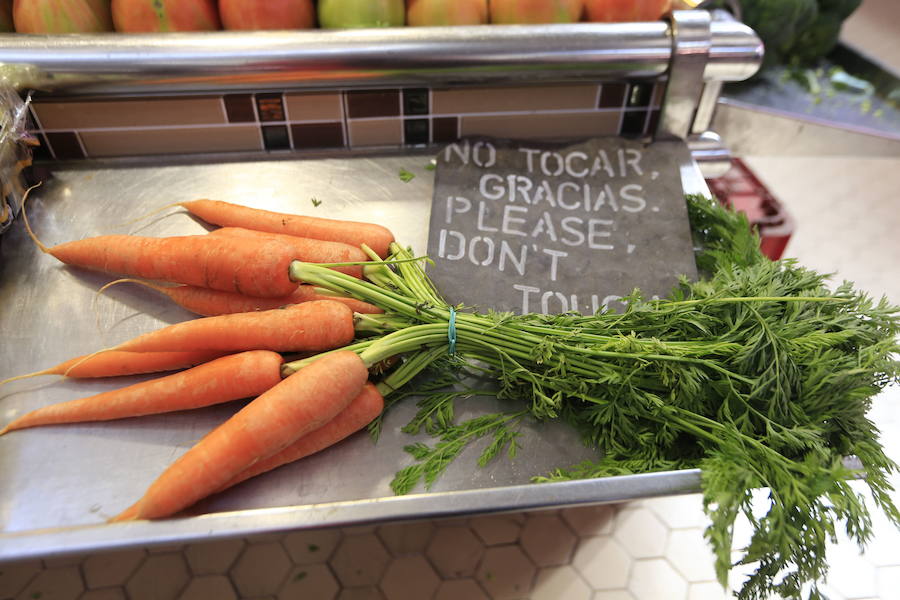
column 406, row 176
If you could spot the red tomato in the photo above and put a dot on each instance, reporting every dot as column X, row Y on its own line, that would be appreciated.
column 535, row 11
column 62, row 16
column 626, row 10
column 267, row 14
column 135, row 16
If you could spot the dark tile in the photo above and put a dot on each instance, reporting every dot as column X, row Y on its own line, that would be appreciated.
column 65, row 145
column 275, row 137
column 639, row 95
column 373, row 103
column 653, row 123
column 415, row 131
column 444, row 129
column 41, row 152
column 612, row 95
column 633, row 122
column 318, row 135
column 239, row 108
column 270, row 107
column 415, row 101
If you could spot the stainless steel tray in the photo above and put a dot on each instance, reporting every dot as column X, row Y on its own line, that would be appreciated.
column 58, row 485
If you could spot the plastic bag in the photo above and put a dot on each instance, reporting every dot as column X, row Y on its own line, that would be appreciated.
column 15, row 152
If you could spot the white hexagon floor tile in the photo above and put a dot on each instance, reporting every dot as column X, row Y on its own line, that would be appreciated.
column 691, row 555
column 460, row 589
column 496, row 530
column 207, row 587
column 602, row 562
column 213, row 558
column 260, row 569
column 15, row 575
column 557, row 583
column 113, row 593
column 64, row 583
column 641, row 533
column 359, row 560
column 406, row 538
column 707, row 590
column 360, row 593
column 679, row 512
column 589, row 521
column 312, row 546
column 547, row 540
column 159, row 577
column 850, row 573
column 409, row 578
column 111, row 568
column 655, row 578
column 454, row 551
column 506, row 572
column 612, row 595
column 309, row 581
column 889, row 583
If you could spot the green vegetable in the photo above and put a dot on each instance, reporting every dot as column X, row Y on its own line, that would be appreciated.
column 406, row 176
column 797, row 31
column 758, row 374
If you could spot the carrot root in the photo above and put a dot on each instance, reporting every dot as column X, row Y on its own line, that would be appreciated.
column 297, row 405
column 361, row 411
column 225, row 379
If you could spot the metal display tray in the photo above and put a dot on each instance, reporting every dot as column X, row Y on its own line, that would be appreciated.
column 59, row 485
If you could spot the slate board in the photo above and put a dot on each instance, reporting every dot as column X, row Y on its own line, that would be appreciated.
column 537, row 227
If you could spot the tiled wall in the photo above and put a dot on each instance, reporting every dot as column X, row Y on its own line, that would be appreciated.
column 75, row 128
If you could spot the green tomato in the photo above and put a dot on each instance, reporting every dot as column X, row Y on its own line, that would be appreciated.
column 344, row 14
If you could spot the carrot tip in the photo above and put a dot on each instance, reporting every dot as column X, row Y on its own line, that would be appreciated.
column 27, row 376
column 129, row 514
column 5, row 430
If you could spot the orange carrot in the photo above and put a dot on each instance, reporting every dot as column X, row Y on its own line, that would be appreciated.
column 317, row 325
column 364, row 408
column 243, row 375
column 253, row 267
column 306, row 249
column 299, row 404
column 210, row 303
column 115, row 363
column 376, row 237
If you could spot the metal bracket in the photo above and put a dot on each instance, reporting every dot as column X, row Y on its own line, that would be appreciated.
column 691, row 42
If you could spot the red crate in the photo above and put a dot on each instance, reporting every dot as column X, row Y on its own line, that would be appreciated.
column 740, row 189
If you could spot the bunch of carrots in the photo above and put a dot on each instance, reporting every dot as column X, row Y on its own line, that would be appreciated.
column 238, row 279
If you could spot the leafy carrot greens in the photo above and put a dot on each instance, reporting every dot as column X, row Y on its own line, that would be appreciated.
column 758, row 374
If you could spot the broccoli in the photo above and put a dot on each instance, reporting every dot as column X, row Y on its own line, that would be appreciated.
column 797, row 31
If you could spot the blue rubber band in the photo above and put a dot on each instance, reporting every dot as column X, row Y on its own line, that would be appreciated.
column 451, row 331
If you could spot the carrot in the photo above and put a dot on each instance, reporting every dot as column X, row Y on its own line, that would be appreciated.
column 306, row 249
column 364, row 408
column 378, row 238
column 317, row 325
column 209, row 303
column 254, row 267
column 115, row 363
column 299, row 404
column 243, row 375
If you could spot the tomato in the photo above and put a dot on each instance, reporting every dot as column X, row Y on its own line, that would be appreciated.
column 626, row 10
column 536, row 11
column 267, row 14
column 446, row 12
column 135, row 16
column 62, row 16
column 340, row 14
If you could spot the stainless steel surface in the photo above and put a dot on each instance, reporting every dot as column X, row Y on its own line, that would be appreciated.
column 690, row 53
column 710, row 154
column 111, row 64
column 706, row 107
column 793, row 111
column 58, row 485
column 753, row 130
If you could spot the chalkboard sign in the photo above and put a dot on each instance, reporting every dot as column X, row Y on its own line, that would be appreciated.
column 530, row 227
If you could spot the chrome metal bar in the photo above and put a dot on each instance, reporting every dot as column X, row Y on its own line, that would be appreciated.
column 691, row 44
column 197, row 62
